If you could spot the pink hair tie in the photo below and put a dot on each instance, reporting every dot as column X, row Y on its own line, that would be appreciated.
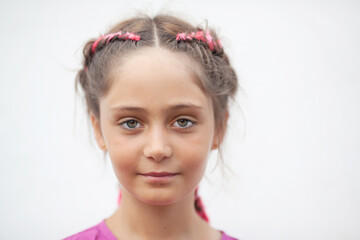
column 199, row 35
column 181, row 37
column 110, row 36
column 209, row 40
column 96, row 43
column 133, row 36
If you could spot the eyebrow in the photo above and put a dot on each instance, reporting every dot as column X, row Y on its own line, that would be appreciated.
column 143, row 110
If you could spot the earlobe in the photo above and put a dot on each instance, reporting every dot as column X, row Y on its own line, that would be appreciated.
column 220, row 132
column 215, row 143
column 97, row 131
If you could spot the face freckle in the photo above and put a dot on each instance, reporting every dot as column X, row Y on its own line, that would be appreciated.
column 160, row 161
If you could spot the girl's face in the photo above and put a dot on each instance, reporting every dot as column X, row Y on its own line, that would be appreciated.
column 157, row 125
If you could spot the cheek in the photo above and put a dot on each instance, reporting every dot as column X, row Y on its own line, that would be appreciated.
column 124, row 153
column 195, row 152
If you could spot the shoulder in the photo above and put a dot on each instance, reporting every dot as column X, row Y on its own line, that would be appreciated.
column 97, row 232
column 224, row 236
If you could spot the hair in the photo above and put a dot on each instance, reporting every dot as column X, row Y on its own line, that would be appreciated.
column 212, row 68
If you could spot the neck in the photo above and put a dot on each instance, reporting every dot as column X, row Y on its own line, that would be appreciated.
column 137, row 220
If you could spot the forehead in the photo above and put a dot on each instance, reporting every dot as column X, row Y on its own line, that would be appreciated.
column 157, row 60
column 156, row 76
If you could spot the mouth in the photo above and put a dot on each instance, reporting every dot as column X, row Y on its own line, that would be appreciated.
column 158, row 174
column 158, row 177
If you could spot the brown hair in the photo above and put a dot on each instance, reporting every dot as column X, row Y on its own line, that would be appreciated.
column 217, row 78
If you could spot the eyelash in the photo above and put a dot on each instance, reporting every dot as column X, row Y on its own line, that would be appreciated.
column 125, row 125
column 188, row 121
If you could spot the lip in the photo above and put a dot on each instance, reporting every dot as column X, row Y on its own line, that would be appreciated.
column 158, row 174
column 158, row 177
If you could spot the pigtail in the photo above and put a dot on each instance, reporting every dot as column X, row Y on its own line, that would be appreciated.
column 199, row 206
column 82, row 79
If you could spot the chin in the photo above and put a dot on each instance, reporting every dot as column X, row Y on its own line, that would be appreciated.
column 159, row 197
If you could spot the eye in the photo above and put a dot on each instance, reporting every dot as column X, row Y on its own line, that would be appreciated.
column 130, row 124
column 183, row 123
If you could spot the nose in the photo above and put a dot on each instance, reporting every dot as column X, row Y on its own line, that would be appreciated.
column 157, row 146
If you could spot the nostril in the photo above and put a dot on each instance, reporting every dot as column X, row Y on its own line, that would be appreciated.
column 157, row 147
column 157, row 153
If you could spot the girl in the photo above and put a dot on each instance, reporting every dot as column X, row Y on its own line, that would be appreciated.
column 157, row 93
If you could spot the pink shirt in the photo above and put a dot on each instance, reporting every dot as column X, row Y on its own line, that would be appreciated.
column 102, row 232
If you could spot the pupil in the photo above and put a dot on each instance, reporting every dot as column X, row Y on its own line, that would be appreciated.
column 131, row 123
column 182, row 122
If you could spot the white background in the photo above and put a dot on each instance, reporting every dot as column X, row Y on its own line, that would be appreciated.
column 294, row 151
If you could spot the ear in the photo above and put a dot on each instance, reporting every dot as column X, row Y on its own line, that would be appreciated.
column 220, row 132
column 95, row 122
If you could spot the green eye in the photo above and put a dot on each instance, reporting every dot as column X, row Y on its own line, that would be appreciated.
column 130, row 124
column 183, row 123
